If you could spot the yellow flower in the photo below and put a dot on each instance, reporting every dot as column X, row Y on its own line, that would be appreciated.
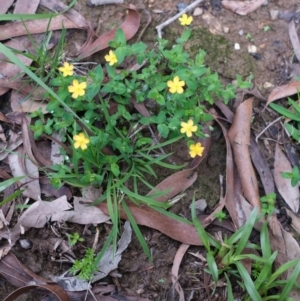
column 176, row 85
column 185, row 20
column 67, row 69
column 111, row 58
column 78, row 89
column 188, row 128
column 81, row 141
column 196, row 150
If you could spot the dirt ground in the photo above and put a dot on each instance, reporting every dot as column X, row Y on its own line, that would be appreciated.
column 269, row 67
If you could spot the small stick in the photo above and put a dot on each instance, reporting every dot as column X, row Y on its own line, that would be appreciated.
column 166, row 23
column 269, row 125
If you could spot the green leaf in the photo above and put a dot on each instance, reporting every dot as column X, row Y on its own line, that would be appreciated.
column 7, row 183
column 248, row 282
column 115, row 169
column 184, row 37
column 163, row 130
column 98, row 74
column 138, row 48
column 121, row 53
column 212, row 265
column 285, row 112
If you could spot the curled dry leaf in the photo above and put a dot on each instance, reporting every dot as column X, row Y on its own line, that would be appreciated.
column 242, row 8
column 294, row 39
column 239, row 136
column 21, row 166
column 22, row 103
column 14, row 142
column 284, row 91
column 110, row 259
column 290, row 194
column 295, row 220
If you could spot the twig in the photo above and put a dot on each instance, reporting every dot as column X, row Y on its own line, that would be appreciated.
column 269, row 125
column 169, row 21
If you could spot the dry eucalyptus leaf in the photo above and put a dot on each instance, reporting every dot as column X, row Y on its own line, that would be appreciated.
column 290, row 194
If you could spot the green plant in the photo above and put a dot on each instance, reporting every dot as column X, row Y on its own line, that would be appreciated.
column 220, row 215
column 74, row 238
column 294, row 176
column 292, row 126
column 249, row 37
column 268, row 203
column 225, row 257
column 113, row 146
column 86, row 266
column 267, row 28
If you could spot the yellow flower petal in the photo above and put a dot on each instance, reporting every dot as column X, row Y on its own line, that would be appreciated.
column 80, row 141
column 67, row 69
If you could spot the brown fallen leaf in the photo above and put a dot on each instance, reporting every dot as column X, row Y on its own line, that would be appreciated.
column 146, row 216
column 290, row 194
column 242, row 8
column 239, row 136
column 19, row 275
column 130, row 27
column 22, row 103
column 295, row 219
column 262, row 167
column 21, row 166
column 26, row 7
column 284, row 91
column 5, row 5
column 294, row 39
column 17, row 29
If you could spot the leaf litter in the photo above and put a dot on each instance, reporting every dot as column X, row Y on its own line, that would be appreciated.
column 239, row 136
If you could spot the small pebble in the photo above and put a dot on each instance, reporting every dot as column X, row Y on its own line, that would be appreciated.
column 237, row 46
column 181, row 6
column 268, row 85
column 25, row 244
column 265, row 3
column 198, row 11
column 274, row 14
column 226, row 29
column 241, row 32
column 252, row 49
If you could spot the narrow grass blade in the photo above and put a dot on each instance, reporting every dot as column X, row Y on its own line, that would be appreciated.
column 137, row 231
column 11, row 197
column 281, row 270
column 23, row 17
column 247, row 229
column 285, row 112
column 212, row 265
column 291, row 282
column 248, row 282
column 229, row 289
column 265, row 241
column 7, row 183
column 199, row 227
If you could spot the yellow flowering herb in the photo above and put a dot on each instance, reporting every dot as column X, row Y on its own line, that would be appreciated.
column 111, row 58
column 78, row 89
column 185, row 20
column 196, row 150
column 67, row 69
column 188, row 128
column 176, row 85
column 81, row 141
